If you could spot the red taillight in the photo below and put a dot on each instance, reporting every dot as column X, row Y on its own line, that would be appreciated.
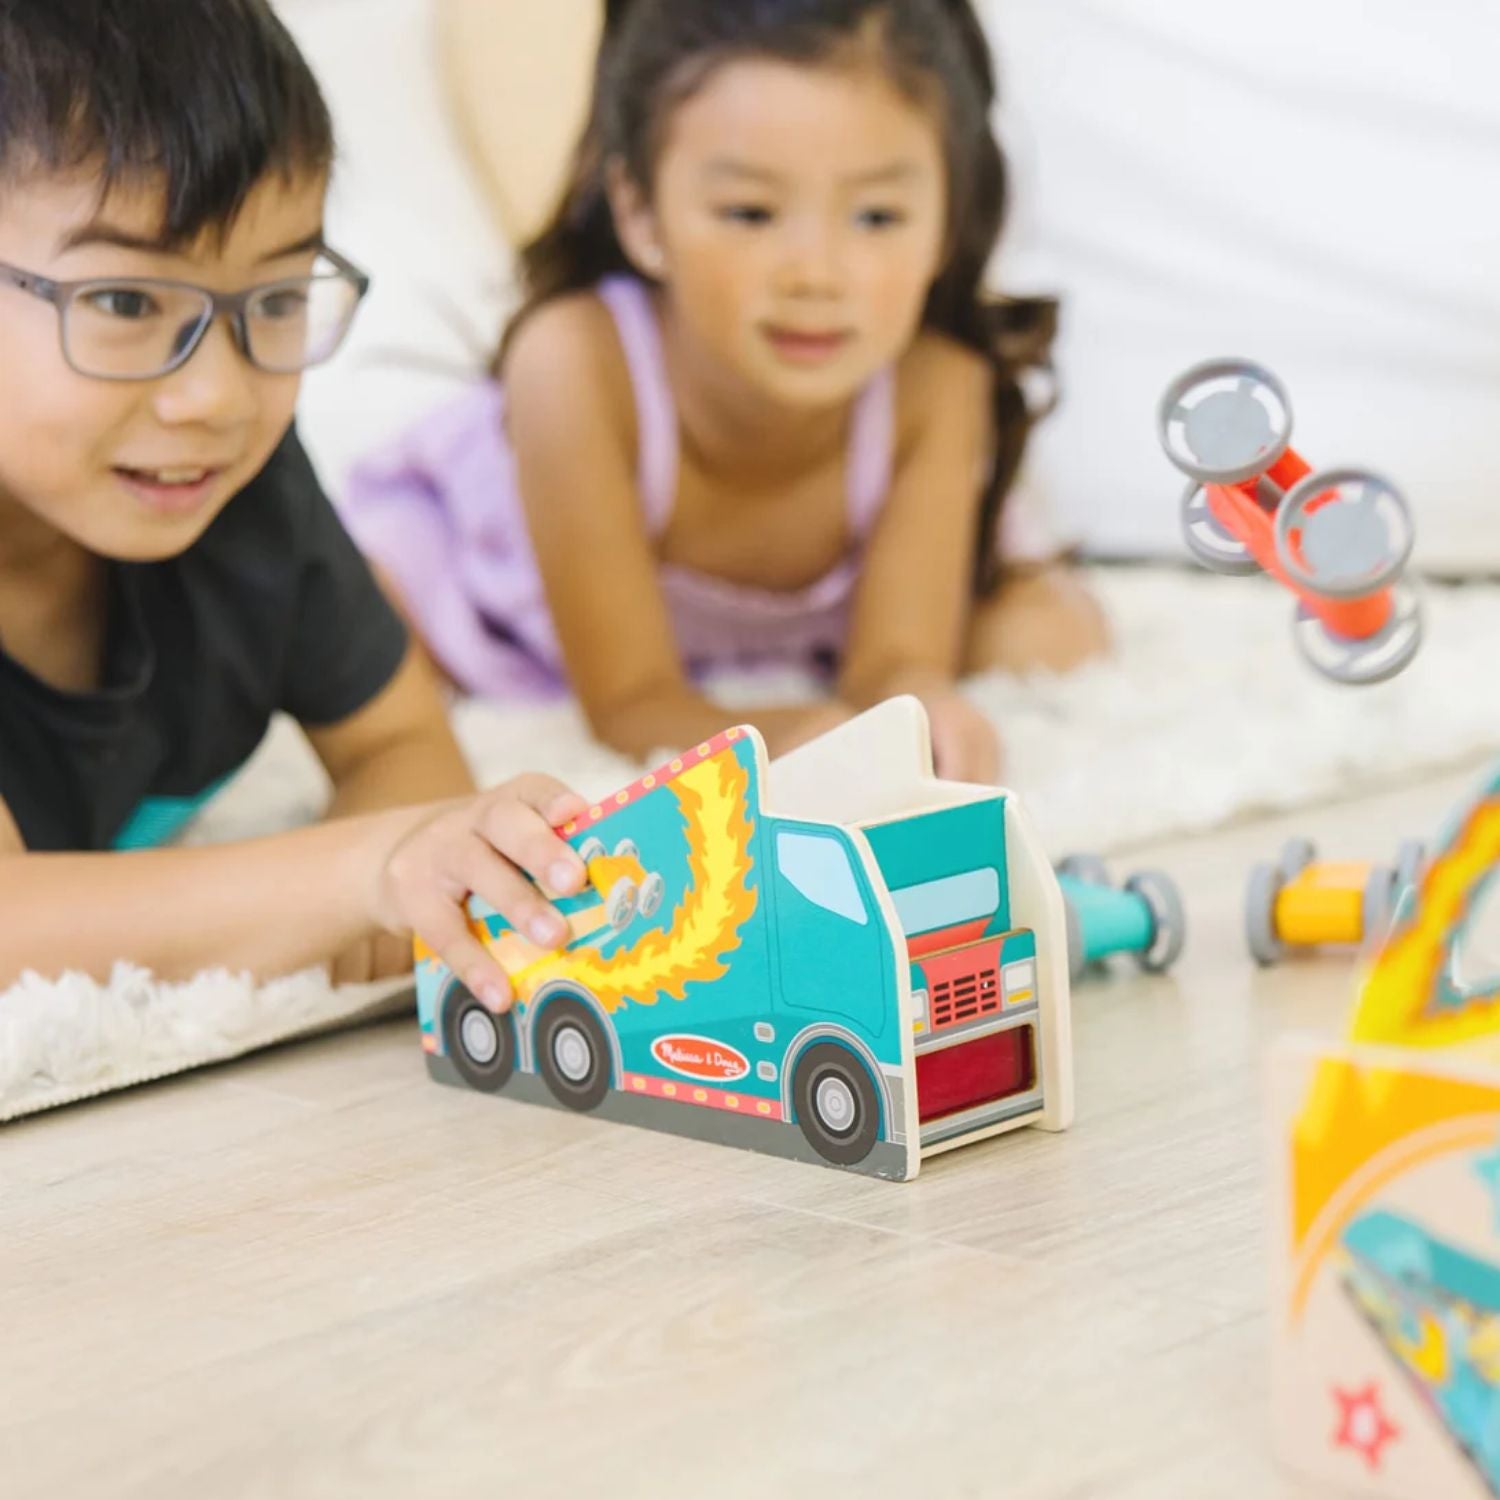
column 974, row 1073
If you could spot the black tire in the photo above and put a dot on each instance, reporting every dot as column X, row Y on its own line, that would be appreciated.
column 836, row 1103
column 480, row 1044
column 572, row 1054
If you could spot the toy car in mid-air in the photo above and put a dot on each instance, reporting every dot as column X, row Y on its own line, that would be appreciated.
column 1144, row 916
column 1301, row 901
column 1339, row 539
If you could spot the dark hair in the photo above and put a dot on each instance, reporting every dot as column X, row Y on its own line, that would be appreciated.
column 206, row 95
column 655, row 52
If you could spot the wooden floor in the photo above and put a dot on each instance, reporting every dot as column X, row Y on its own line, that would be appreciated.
column 316, row 1274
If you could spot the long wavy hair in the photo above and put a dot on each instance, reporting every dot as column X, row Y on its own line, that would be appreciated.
column 655, row 53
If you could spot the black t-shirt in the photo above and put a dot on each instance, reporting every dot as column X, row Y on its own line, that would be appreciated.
column 272, row 608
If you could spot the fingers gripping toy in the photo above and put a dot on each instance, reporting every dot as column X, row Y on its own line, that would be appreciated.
column 1143, row 917
column 1338, row 539
column 1302, row 902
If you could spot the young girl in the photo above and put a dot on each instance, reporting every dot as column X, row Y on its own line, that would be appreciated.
column 755, row 406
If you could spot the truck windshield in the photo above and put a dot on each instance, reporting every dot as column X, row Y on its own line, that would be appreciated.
column 818, row 868
column 947, row 902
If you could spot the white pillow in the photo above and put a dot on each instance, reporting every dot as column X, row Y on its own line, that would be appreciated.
column 1310, row 185
column 405, row 207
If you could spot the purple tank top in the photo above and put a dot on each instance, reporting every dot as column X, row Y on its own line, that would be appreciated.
column 441, row 512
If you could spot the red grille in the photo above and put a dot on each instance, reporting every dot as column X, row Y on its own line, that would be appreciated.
column 962, row 984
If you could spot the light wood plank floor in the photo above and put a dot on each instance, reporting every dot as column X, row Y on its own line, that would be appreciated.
column 313, row 1273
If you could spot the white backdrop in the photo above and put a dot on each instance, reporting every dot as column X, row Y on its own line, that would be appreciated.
column 1317, row 186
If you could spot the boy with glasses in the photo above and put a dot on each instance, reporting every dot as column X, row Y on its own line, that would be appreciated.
column 170, row 572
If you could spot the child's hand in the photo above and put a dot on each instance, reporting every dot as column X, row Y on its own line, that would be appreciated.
column 1042, row 620
column 965, row 746
column 382, row 955
column 482, row 845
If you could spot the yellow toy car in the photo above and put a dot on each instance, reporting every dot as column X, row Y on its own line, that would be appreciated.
column 1301, row 901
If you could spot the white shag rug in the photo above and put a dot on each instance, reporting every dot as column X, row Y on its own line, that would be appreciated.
column 1205, row 714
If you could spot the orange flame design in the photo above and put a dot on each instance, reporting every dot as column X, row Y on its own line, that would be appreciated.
column 705, row 928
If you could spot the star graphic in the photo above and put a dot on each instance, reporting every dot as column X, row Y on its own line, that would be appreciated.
column 1487, row 1170
column 1363, row 1426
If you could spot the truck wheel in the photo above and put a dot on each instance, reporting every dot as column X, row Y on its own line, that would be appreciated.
column 836, row 1103
column 480, row 1044
column 573, row 1054
column 1168, row 919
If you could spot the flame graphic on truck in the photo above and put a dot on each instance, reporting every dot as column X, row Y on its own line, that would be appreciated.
column 705, row 928
column 718, row 901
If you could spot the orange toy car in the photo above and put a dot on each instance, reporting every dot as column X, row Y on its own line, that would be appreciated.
column 1339, row 540
column 1302, row 902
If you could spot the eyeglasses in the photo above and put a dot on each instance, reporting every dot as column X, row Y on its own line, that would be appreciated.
column 141, row 328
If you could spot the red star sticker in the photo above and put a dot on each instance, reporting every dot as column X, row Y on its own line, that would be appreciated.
column 1363, row 1426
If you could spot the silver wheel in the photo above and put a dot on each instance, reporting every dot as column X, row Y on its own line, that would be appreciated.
column 619, row 906
column 1363, row 663
column 1296, row 855
column 1225, row 421
column 626, row 849
column 479, row 1036
column 653, row 888
column 1169, row 920
column 590, row 849
column 572, row 1053
column 1087, row 869
column 1208, row 541
column 1345, row 534
column 836, row 1106
column 1266, row 947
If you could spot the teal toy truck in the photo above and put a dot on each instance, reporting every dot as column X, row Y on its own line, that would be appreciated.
column 837, row 957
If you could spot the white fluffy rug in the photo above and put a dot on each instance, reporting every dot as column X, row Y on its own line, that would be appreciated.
column 1206, row 714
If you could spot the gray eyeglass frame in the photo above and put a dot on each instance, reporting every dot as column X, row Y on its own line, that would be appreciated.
column 230, row 305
